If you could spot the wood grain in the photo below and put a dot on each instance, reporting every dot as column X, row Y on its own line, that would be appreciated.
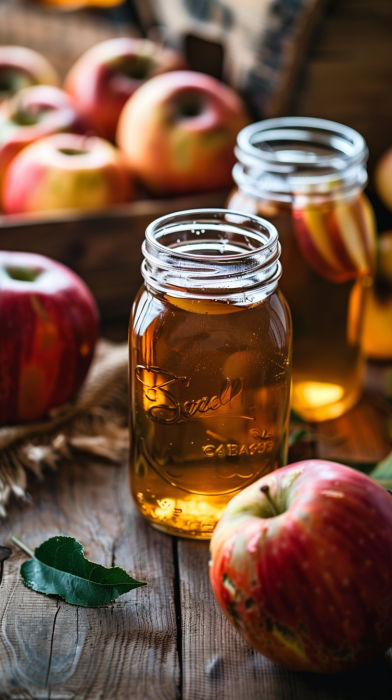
column 49, row 649
column 168, row 640
column 217, row 663
column 104, row 248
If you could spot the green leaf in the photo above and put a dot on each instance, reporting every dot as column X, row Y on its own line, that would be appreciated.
column 383, row 472
column 58, row 567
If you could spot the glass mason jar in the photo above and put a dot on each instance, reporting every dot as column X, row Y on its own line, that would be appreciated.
column 307, row 177
column 210, row 360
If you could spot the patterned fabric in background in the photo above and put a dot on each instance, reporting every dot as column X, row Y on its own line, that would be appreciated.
column 263, row 42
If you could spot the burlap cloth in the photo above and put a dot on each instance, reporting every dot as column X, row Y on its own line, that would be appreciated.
column 96, row 423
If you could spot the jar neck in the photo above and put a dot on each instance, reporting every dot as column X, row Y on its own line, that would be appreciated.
column 212, row 254
column 279, row 159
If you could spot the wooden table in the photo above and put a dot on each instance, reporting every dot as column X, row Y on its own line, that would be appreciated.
column 167, row 640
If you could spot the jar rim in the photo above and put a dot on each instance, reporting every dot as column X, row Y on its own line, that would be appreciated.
column 213, row 215
column 346, row 145
column 244, row 263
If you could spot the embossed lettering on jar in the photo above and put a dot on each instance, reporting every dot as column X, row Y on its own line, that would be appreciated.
column 210, row 351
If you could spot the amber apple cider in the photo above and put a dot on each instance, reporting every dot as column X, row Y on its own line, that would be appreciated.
column 306, row 176
column 210, row 390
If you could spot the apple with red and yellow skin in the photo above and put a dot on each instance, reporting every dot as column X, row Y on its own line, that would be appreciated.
column 301, row 564
column 49, row 328
column 22, row 67
column 66, row 171
column 383, row 178
column 338, row 237
column 31, row 114
column 178, row 132
column 105, row 76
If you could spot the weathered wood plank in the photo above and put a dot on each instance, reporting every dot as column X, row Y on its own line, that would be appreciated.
column 217, row 663
column 52, row 650
column 104, row 248
column 49, row 649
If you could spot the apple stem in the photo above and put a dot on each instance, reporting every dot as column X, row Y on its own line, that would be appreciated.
column 22, row 546
column 266, row 491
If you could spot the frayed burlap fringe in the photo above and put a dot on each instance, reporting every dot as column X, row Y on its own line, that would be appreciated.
column 95, row 424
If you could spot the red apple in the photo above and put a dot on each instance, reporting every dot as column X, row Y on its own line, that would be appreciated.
column 104, row 77
column 338, row 237
column 21, row 67
column 66, row 171
column 301, row 563
column 178, row 132
column 31, row 114
column 49, row 327
column 383, row 178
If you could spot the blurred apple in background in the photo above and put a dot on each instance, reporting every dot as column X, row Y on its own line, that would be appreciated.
column 49, row 328
column 66, row 171
column 301, row 564
column 32, row 113
column 383, row 178
column 377, row 326
column 384, row 264
column 377, row 322
column 104, row 77
column 178, row 132
column 21, row 67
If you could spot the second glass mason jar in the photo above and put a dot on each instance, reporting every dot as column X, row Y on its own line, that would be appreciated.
column 210, row 360
column 307, row 176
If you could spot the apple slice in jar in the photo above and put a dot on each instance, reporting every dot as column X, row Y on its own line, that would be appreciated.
column 336, row 238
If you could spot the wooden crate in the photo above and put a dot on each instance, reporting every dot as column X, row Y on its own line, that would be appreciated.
column 102, row 247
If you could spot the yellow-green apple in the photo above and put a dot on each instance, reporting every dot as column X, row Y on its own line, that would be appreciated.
column 337, row 238
column 301, row 563
column 21, row 67
column 178, row 132
column 32, row 113
column 383, row 178
column 106, row 75
column 66, row 171
column 49, row 328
